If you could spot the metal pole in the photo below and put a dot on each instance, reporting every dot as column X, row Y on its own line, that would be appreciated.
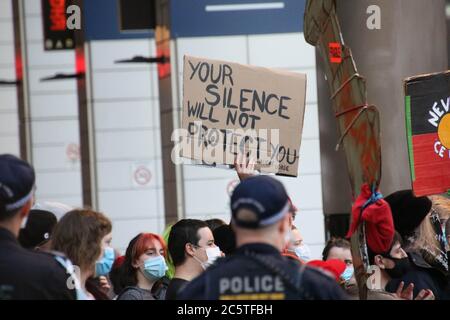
column 22, row 88
column 169, row 114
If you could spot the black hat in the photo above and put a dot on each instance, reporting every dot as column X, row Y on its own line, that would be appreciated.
column 408, row 211
column 38, row 229
column 16, row 182
column 258, row 202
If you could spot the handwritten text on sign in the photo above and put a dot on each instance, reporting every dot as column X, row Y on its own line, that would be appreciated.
column 230, row 108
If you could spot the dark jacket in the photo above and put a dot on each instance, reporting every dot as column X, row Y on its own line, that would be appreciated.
column 176, row 285
column 423, row 276
column 158, row 291
column 259, row 271
column 30, row 275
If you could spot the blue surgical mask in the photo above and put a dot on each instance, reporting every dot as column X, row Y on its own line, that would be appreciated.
column 155, row 268
column 104, row 265
column 347, row 274
column 303, row 252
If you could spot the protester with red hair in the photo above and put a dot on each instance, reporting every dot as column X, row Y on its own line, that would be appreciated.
column 141, row 276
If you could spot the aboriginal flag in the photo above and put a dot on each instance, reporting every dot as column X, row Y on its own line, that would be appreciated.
column 427, row 105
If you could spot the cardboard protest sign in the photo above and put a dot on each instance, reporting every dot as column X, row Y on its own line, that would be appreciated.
column 428, row 132
column 230, row 108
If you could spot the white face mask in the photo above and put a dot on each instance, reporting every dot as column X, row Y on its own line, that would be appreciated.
column 303, row 252
column 212, row 254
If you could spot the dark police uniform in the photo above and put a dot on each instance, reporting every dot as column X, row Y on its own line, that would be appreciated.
column 32, row 275
column 259, row 272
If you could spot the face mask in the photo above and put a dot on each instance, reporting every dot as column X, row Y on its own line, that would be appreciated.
column 347, row 274
column 401, row 267
column 212, row 254
column 303, row 252
column 104, row 265
column 155, row 268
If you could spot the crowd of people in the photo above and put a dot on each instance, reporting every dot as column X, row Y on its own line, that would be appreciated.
column 57, row 252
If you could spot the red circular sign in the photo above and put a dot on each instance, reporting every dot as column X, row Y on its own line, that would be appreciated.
column 142, row 175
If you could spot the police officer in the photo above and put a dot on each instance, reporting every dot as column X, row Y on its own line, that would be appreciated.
column 260, row 218
column 25, row 274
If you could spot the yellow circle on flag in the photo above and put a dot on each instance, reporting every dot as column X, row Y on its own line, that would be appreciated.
column 444, row 131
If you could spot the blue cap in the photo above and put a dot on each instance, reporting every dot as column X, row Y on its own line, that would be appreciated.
column 258, row 202
column 16, row 182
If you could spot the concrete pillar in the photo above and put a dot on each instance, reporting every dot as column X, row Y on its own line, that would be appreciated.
column 412, row 40
column 169, row 114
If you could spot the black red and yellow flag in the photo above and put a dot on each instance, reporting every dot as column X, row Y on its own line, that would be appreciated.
column 427, row 104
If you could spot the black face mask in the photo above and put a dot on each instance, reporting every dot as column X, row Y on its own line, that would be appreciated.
column 401, row 267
